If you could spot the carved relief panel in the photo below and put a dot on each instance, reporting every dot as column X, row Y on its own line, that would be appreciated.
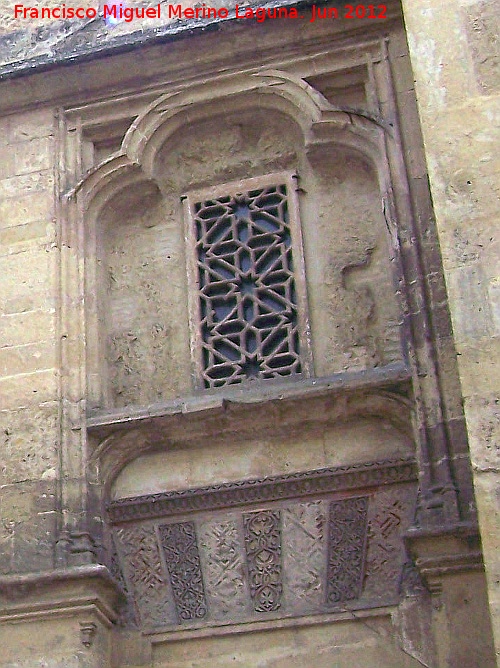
column 320, row 543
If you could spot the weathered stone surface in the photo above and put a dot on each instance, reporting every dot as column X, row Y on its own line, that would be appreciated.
column 23, row 208
column 125, row 335
column 69, row 613
column 288, row 559
column 340, row 444
column 483, row 29
column 223, row 568
column 457, row 87
column 28, row 389
column 28, row 529
column 474, row 319
column 29, row 444
column 344, row 642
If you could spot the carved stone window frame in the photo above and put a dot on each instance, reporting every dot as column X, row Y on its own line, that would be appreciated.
column 232, row 189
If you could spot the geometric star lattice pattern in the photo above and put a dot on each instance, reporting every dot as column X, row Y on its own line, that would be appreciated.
column 247, row 300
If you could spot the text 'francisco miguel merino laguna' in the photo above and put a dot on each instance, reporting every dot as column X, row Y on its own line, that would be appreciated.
column 119, row 12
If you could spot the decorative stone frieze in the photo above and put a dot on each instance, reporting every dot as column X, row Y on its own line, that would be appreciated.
column 309, row 543
column 337, row 479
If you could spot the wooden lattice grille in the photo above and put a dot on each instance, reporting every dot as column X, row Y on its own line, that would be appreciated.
column 248, row 320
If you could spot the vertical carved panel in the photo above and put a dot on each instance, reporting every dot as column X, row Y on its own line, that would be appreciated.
column 346, row 549
column 145, row 575
column 263, row 548
column 223, row 569
column 389, row 517
column 304, row 528
column 183, row 564
column 127, row 613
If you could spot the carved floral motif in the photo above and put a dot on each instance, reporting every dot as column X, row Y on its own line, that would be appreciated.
column 223, row 568
column 304, row 528
column 270, row 488
column 308, row 554
column 263, row 550
column 346, row 549
column 183, row 563
column 145, row 575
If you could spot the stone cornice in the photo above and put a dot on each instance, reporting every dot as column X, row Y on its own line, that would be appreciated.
column 106, row 422
column 73, row 42
column 227, row 495
column 445, row 550
column 59, row 592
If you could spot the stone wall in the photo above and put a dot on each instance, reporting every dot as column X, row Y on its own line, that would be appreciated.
column 29, row 351
column 457, row 82
column 97, row 398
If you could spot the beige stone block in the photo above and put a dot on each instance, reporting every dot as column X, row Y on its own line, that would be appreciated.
column 26, row 184
column 28, row 358
column 28, row 281
column 57, row 619
column 494, row 297
column 131, row 649
column 23, row 237
column 33, row 544
column 364, row 440
column 16, row 504
column 29, row 518
column 341, row 644
column 487, row 485
column 41, row 644
column 23, row 209
column 33, row 156
column 464, row 165
column 27, row 327
column 470, row 309
column 28, row 389
column 26, row 125
column 29, row 444
column 220, row 462
column 7, row 168
column 478, row 366
column 473, row 120
column 233, row 459
column 251, row 460
column 483, row 29
column 438, row 42
column 463, row 243
column 148, row 474
column 483, row 422
column 488, row 501
column 465, row 612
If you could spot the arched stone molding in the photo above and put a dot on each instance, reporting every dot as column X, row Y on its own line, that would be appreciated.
column 325, row 128
column 321, row 124
column 272, row 90
column 104, row 184
column 105, row 180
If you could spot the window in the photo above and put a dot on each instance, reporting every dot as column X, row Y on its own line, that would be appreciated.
column 247, row 288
